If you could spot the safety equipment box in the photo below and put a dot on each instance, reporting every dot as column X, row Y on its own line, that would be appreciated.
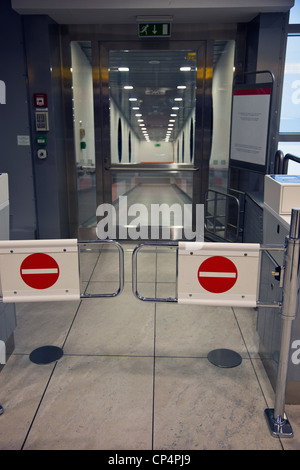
column 282, row 193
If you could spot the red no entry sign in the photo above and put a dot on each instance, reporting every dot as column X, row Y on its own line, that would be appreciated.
column 39, row 271
column 217, row 274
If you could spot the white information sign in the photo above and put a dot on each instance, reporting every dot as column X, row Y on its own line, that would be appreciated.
column 250, row 125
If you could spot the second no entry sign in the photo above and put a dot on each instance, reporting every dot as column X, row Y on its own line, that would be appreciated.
column 217, row 274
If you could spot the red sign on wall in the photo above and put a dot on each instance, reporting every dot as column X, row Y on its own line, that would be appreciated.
column 40, row 100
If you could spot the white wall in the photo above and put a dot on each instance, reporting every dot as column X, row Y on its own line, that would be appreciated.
column 149, row 152
column 82, row 81
column 221, row 96
column 115, row 116
column 141, row 151
column 183, row 140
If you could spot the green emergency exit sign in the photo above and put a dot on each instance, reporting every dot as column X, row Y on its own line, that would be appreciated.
column 151, row 30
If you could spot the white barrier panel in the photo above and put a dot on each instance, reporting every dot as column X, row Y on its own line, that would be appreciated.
column 39, row 270
column 218, row 274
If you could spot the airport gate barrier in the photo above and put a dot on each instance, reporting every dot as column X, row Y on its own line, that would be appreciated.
column 224, row 274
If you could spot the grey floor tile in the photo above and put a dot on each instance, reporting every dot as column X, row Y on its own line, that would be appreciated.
column 22, row 385
column 189, row 330
column 42, row 323
column 120, row 325
column 202, row 407
column 247, row 321
column 96, row 403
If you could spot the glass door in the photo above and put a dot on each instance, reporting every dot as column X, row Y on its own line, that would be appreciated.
column 153, row 142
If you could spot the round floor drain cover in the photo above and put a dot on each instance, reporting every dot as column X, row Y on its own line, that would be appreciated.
column 46, row 354
column 224, row 358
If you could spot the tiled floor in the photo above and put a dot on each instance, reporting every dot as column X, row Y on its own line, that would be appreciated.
column 135, row 375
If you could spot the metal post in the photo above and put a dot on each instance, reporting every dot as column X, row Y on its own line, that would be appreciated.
column 276, row 418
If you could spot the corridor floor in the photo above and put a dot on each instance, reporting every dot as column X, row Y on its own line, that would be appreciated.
column 135, row 375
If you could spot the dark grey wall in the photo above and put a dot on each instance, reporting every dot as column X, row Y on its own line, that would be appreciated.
column 14, row 121
column 41, row 36
column 30, row 63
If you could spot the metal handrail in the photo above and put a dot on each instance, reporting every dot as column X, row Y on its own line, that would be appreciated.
column 279, row 157
column 216, row 217
column 286, row 159
column 143, row 168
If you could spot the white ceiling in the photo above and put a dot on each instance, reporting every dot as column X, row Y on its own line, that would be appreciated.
column 125, row 12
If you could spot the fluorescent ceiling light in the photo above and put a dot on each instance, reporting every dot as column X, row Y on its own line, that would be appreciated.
column 185, row 69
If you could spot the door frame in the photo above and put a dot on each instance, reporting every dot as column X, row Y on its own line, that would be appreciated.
column 100, row 36
column 202, row 120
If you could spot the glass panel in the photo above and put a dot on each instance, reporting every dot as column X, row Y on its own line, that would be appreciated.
column 152, row 106
column 294, row 149
column 295, row 13
column 223, row 68
column 152, row 123
column 147, row 193
column 290, row 107
column 83, row 122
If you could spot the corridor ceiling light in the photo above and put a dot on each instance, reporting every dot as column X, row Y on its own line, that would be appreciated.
column 181, row 87
column 140, row 120
column 175, row 108
column 128, row 87
column 132, row 99
column 177, row 99
column 139, row 115
column 171, row 120
column 136, row 108
column 173, row 115
column 185, row 69
column 123, row 69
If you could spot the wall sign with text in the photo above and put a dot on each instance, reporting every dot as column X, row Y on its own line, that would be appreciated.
column 250, row 127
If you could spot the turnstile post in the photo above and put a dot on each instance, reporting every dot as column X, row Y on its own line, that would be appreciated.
column 278, row 422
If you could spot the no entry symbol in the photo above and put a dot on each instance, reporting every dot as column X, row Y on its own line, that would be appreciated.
column 217, row 274
column 39, row 271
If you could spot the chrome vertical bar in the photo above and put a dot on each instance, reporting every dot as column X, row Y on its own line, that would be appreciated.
column 277, row 419
column 135, row 273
